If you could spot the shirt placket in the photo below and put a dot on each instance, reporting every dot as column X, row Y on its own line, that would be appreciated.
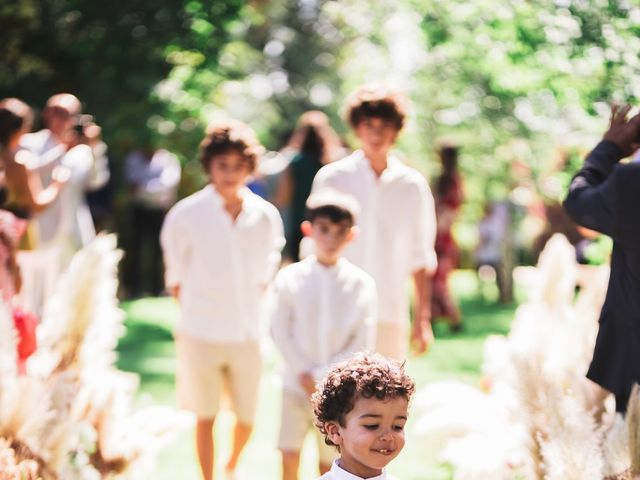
column 323, row 318
column 237, row 277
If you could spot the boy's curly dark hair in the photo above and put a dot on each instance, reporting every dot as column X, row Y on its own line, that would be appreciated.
column 230, row 135
column 363, row 376
column 376, row 101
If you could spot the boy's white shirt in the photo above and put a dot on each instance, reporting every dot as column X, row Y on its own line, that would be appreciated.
column 397, row 225
column 222, row 267
column 337, row 473
column 321, row 315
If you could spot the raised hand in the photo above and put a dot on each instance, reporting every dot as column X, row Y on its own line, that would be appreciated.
column 622, row 131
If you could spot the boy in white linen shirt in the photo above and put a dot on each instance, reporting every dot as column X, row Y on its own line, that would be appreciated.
column 397, row 223
column 361, row 408
column 221, row 248
column 323, row 311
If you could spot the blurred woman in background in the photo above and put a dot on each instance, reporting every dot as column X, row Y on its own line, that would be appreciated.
column 313, row 144
column 448, row 195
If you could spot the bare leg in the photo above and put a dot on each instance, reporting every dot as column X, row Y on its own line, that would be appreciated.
column 241, row 434
column 204, row 446
column 290, row 465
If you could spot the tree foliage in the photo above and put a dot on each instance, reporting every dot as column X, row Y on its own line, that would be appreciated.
column 514, row 82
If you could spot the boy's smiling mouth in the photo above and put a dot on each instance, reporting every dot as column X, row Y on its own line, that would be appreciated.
column 383, row 451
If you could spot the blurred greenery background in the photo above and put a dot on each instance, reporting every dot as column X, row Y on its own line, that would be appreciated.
column 522, row 86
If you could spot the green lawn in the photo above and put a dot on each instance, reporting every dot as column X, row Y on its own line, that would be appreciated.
column 148, row 350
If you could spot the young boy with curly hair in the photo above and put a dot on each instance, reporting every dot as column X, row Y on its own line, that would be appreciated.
column 361, row 408
column 221, row 248
column 323, row 312
column 397, row 223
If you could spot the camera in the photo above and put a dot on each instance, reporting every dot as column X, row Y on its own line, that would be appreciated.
column 82, row 121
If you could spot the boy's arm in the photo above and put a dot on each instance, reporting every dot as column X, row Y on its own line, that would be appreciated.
column 424, row 264
column 277, row 242
column 176, row 251
column 421, row 331
column 282, row 316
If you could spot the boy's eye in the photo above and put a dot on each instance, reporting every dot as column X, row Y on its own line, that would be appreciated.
column 370, row 427
column 398, row 428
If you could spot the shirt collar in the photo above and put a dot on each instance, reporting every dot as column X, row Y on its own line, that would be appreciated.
column 393, row 170
column 341, row 474
column 245, row 194
column 324, row 268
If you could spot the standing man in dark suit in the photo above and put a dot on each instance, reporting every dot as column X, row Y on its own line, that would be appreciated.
column 605, row 196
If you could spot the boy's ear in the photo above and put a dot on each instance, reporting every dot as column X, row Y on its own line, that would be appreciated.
column 353, row 233
column 306, row 228
column 333, row 432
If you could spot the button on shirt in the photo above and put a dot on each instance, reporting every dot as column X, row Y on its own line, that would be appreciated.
column 397, row 226
column 320, row 315
column 337, row 473
column 221, row 266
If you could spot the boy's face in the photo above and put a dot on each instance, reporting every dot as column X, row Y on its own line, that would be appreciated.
column 372, row 436
column 228, row 171
column 330, row 238
column 376, row 135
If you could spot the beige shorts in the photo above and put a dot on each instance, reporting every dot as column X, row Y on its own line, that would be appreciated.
column 392, row 340
column 203, row 368
column 295, row 421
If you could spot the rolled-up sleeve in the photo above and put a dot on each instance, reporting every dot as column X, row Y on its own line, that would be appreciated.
column 281, row 320
column 423, row 254
column 277, row 242
column 175, row 248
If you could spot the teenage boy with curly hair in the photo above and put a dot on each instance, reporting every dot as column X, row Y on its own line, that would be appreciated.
column 397, row 223
column 221, row 248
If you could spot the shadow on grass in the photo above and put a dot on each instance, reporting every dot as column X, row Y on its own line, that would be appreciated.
column 148, row 350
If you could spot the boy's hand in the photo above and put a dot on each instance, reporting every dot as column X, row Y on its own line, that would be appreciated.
column 175, row 291
column 421, row 338
column 307, row 382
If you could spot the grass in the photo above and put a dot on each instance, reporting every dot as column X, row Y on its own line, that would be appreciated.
column 148, row 350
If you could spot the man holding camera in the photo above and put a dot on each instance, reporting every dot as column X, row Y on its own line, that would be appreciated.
column 605, row 196
column 73, row 141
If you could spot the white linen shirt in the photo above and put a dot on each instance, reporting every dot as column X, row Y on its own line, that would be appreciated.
column 222, row 267
column 320, row 315
column 397, row 226
column 337, row 473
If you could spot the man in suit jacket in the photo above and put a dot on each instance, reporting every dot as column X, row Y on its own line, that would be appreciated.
column 605, row 196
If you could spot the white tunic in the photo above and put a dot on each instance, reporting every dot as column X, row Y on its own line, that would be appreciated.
column 222, row 267
column 397, row 226
column 337, row 473
column 321, row 315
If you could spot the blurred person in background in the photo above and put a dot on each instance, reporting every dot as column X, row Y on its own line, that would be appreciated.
column 73, row 141
column 397, row 224
column 313, row 144
column 22, row 191
column 448, row 196
column 152, row 177
column 20, row 196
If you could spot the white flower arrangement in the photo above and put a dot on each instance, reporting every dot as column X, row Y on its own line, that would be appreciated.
column 537, row 419
column 72, row 416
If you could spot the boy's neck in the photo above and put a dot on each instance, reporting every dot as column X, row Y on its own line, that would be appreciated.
column 326, row 261
column 232, row 202
column 377, row 160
